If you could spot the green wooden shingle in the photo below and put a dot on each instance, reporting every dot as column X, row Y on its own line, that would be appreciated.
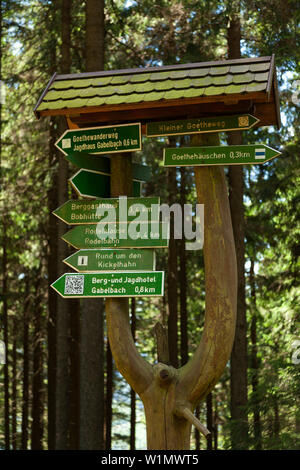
column 156, row 84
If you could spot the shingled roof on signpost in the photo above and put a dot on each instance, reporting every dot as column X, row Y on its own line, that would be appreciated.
column 177, row 91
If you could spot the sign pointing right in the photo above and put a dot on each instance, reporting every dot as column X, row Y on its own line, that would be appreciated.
column 221, row 155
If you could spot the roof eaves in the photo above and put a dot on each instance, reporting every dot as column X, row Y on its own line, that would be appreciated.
column 43, row 94
column 123, row 106
column 276, row 99
column 271, row 75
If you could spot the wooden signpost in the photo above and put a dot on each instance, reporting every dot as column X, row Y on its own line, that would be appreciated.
column 198, row 95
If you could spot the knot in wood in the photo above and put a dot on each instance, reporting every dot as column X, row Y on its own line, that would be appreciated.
column 164, row 374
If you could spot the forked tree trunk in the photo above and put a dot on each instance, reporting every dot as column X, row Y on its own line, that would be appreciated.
column 171, row 395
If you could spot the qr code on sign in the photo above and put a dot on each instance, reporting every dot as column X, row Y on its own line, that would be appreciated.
column 74, row 285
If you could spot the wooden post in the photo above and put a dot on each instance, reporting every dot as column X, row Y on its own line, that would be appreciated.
column 171, row 395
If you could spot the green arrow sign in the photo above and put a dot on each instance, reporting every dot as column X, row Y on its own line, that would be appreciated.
column 201, row 125
column 122, row 235
column 227, row 155
column 123, row 209
column 93, row 184
column 112, row 260
column 101, row 163
column 105, row 139
column 146, row 284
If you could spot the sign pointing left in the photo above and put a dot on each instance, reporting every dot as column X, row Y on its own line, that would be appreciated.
column 94, row 184
column 105, row 139
column 101, row 164
column 87, row 211
column 117, row 284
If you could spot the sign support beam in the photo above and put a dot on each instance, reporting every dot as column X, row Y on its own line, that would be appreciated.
column 175, row 393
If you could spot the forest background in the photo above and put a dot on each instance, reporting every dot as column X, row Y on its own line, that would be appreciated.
column 59, row 388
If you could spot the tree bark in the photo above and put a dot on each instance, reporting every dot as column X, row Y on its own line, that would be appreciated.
column 52, row 263
column 14, row 384
column 65, row 65
column 238, row 364
column 63, row 326
column 25, row 382
column 63, row 314
column 183, row 278
column 109, row 397
column 197, row 433
column 37, row 383
column 92, row 327
column 4, row 286
column 132, row 392
column 169, row 395
column 254, row 364
column 120, row 185
column 276, row 427
column 238, row 369
column 5, row 334
column 92, row 375
column 215, row 425
column 91, row 386
column 74, row 312
column 172, row 277
column 94, row 36
column 73, row 305
column 209, row 420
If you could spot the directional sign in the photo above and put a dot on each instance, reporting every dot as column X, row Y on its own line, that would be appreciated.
column 105, row 139
column 112, row 260
column 133, row 284
column 227, row 155
column 201, row 125
column 93, row 184
column 122, row 235
column 101, row 163
column 115, row 210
